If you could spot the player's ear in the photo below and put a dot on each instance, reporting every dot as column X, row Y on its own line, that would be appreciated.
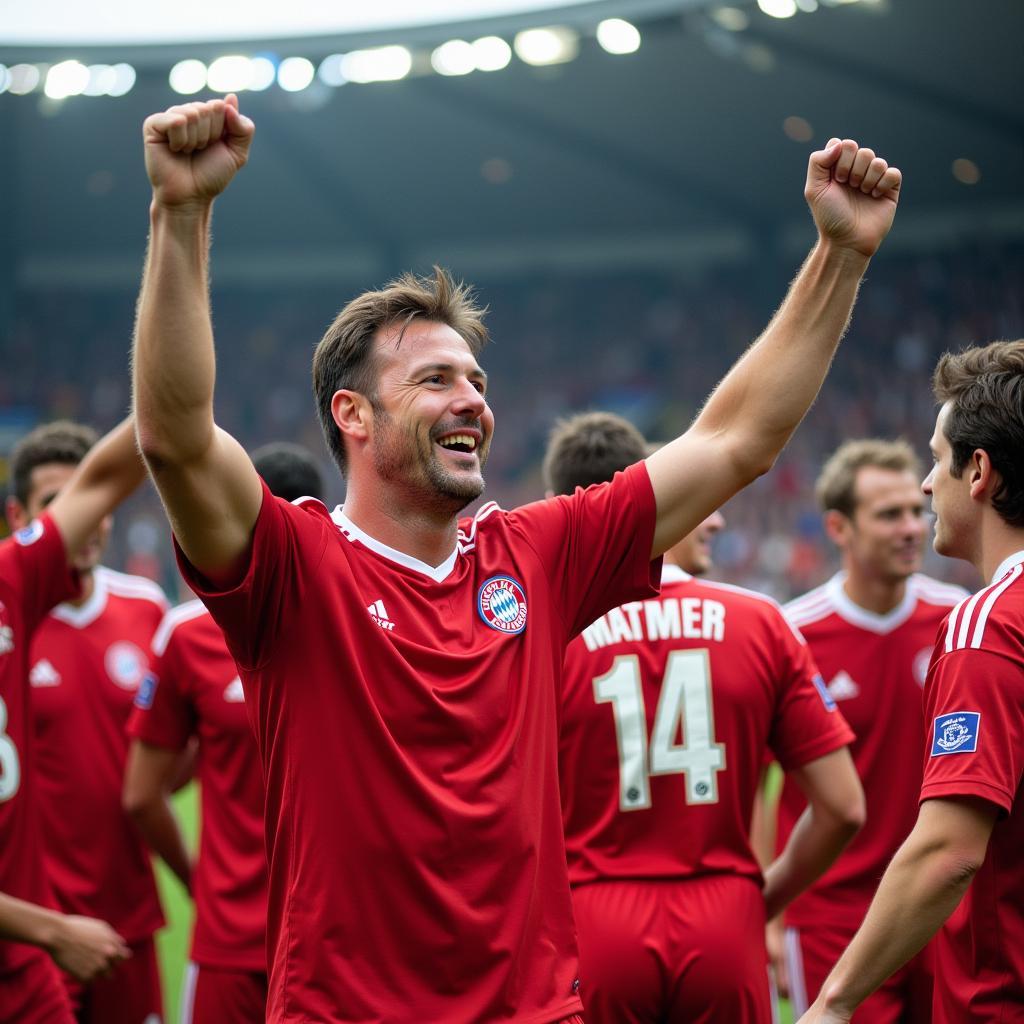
column 17, row 516
column 981, row 474
column 837, row 527
column 352, row 413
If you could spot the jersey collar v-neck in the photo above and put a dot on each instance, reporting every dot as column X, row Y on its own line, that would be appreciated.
column 352, row 532
column 83, row 615
column 853, row 613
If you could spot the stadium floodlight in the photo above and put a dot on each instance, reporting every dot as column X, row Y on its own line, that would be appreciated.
column 380, row 64
column 618, row 36
column 23, row 78
column 123, row 81
column 101, row 78
column 68, row 78
column 778, row 8
column 231, row 73
column 295, row 74
column 491, row 53
column 330, row 72
column 555, row 44
column 5, row 78
column 807, row 6
column 264, row 72
column 456, row 57
column 188, row 77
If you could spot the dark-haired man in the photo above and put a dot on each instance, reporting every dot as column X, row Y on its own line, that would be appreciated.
column 871, row 629
column 88, row 659
column 402, row 664
column 195, row 692
column 667, row 708
column 35, row 574
column 960, row 870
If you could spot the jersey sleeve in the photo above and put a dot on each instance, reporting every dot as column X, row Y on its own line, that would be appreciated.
column 288, row 545
column 163, row 713
column 807, row 723
column 974, row 716
column 595, row 545
column 35, row 566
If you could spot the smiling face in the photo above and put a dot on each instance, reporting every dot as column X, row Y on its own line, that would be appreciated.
column 884, row 537
column 693, row 553
column 431, row 426
column 951, row 498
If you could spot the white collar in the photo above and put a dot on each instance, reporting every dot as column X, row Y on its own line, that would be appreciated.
column 872, row 621
column 352, row 532
column 671, row 573
column 83, row 615
column 1007, row 564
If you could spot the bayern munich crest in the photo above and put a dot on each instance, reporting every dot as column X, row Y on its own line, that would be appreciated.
column 502, row 604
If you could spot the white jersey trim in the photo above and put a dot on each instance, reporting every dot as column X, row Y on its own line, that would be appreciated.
column 172, row 620
column 106, row 582
column 1017, row 558
column 350, row 531
column 671, row 573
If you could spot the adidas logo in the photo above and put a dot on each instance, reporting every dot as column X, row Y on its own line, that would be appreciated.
column 843, row 687
column 379, row 615
column 44, row 674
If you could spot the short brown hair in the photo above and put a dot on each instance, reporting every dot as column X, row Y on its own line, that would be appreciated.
column 344, row 358
column 590, row 448
column 61, row 441
column 985, row 388
column 836, row 486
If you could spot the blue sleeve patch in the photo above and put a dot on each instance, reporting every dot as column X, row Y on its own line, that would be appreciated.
column 956, row 733
column 29, row 534
column 826, row 698
column 146, row 692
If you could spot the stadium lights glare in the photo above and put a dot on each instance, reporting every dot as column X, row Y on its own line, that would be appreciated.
column 68, row 78
column 188, row 77
column 456, row 57
column 541, row 46
column 380, row 64
column 491, row 53
column 122, row 80
column 807, row 6
column 232, row 73
column 5, row 78
column 778, row 8
column 330, row 72
column 618, row 36
column 295, row 74
column 264, row 71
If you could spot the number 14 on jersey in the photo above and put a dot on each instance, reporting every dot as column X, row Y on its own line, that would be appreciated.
column 685, row 702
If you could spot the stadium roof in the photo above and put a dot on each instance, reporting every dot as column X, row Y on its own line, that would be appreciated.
column 688, row 150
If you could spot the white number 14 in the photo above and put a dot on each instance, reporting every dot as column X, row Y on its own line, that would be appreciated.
column 685, row 699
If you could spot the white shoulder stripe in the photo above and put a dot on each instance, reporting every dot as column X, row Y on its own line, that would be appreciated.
column 807, row 611
column 176, row 617
column 993, row 596
column 125, row 585
column 468, row 540
column 965, row 619
column 951, row 622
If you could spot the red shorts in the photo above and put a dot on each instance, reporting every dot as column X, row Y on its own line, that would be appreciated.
column 130, row 995
column 218, row 995
column 689, row 951
column 906, row 998
column 33, row 994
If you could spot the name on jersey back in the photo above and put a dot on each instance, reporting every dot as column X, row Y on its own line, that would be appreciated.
column 670, row 618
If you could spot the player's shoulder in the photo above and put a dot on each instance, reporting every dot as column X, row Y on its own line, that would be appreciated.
column 752, row 604
column 176, row 622
column 935, row 592
column 992, row 619
column 134, row 588
column 815, row 605
column 488, row 516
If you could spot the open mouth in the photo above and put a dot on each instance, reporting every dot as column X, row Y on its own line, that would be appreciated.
column 464, row 444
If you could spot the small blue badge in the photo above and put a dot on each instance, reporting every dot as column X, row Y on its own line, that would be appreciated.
column 29, row 534
column 826, row 698
column 956, row 733
column 146, row 692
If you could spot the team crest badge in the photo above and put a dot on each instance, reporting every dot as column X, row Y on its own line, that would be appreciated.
column 126, row 665
column 146, row 692
column 502, row 604
column 956, row 733
column 29, row 534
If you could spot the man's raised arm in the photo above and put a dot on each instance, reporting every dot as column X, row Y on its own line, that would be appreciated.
column 755, row 409
column 207, row 483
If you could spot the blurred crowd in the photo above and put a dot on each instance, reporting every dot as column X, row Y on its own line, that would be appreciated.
column 646, row 345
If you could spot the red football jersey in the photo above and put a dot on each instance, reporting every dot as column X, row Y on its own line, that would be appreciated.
column 406, row 721
column 667, row 708
column 87, row 663
column 195, row 691
column 874, row 667
column 974, row 746
column 34, row 576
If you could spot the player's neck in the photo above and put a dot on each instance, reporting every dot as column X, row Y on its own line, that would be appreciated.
column 872, row 594
column 87, row 579
column 997, row 542
column 423, row 533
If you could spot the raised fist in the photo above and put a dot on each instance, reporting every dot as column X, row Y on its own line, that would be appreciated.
column 852, row 195
column 194, row 150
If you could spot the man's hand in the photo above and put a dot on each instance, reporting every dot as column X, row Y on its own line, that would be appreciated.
column 86, row 947
column 817, row 1014
column 852, row 194
column 194, row 150
column 775, row 943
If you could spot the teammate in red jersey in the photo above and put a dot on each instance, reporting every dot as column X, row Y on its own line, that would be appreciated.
column 34, row 576
column 87, row 659
column 401, row 665
column 195, row 691
column 668, row 706
column 870, row 629
column 961, row 868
